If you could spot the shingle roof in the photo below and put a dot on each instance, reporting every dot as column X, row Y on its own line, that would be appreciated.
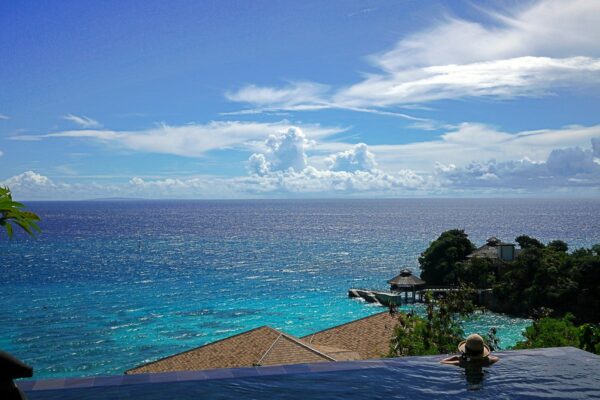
column 260, row 346
column 369, row 336
column 406, row 278
column 365, row 338
column 485, row 251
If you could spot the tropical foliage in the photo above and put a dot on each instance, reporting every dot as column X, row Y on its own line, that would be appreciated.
column 439, row 332
column 550, row 277
column 560, row 290
column 12, row 213
column 555, row 332
column 541, row 276
column 438, row 262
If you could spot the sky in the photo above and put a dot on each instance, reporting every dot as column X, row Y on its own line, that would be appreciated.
column 287, row 99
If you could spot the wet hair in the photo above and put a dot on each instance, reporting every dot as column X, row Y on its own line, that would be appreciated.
column 470, row 352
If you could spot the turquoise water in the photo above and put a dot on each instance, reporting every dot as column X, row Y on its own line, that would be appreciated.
column 110, row 285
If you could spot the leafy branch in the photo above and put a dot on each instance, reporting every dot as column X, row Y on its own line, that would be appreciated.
column 12, row 213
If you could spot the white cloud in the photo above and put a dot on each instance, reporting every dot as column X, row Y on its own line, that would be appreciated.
column 29, row 178
column 538, row 48
column 479, row 142
column 32, row 185
column 571, row 161
column 570, row 167
column 531, row 51
column 304, row 94
column 565, row 169
column 296, row 97
column 358, row 158
column 521, row 76
column 3, row 116
column 550, row 28
column 282, row 167
column 286, row 151
column 83, row 121
column 190, row 140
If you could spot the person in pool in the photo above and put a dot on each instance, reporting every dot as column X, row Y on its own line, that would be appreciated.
column 473, row 351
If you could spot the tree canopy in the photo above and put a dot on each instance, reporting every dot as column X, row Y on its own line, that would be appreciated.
column 439, row 332
column 528, row 242
column 438, row 261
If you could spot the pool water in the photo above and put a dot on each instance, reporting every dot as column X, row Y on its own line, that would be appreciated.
column 565, row 373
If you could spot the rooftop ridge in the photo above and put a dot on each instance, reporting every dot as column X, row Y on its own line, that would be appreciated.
column 269, row 349
column 310, row 348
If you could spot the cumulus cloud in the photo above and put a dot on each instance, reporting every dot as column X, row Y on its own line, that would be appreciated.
column 283, row 167
column 479, row 142
column 571, row 161
column 358, row 158
column 530, row 51
column 82, row 120
column 574, row 166
column 190, row 140
column 28, row 179
column 33, row 185
column 285, row 151
column 568, row 168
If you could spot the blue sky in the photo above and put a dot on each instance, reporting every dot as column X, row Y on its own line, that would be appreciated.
column 250, row 99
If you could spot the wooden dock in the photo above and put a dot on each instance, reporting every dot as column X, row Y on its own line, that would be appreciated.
column 399, row 298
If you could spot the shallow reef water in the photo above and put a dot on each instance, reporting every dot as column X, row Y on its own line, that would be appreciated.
column 110, row 285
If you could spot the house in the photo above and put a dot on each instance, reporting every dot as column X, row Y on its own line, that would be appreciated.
column 495, row 249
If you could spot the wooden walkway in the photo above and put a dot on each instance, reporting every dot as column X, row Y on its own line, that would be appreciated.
column 407, row 297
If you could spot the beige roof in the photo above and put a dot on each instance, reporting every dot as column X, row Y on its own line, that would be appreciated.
column 406, row 279
column 260, row 346
column 369, row 336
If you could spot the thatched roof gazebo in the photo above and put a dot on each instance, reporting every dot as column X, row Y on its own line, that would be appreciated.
column 405, row 282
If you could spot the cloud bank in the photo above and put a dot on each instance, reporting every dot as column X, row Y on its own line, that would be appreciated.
column 477, row 158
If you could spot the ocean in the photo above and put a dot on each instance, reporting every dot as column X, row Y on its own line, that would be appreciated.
column 112, row 284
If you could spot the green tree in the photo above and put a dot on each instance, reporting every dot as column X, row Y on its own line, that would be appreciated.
column 550, row 332
column 527, row 242
column 12, row 213
column 438, row 261
column 479, row 272
column 589, row 338
column 558, row 245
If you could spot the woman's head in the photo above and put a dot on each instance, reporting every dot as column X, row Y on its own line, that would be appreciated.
column 474, row 347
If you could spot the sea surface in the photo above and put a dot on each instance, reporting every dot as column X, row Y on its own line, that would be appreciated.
column 109, row 285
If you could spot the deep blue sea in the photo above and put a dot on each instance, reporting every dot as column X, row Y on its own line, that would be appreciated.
column 110, row 285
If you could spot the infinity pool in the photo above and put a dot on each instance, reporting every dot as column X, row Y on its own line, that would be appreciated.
column 565, row 373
